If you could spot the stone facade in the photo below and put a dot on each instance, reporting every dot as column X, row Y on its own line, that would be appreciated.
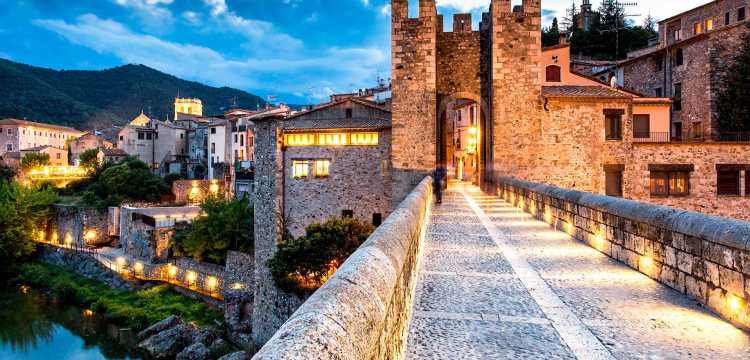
column 195, row 191
column 145, row 233
column 699, row 255
column 17, row 135
column 706, row 56
column 87, row 142
column 363, row 310
column 78, row 226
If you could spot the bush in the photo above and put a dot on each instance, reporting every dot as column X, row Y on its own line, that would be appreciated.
column 90, row 159
column 7, row 174
column 303, row 265
column 137, row 309
column 34, row 160
column 23, row 213
column 227, row 225
column 130, row 180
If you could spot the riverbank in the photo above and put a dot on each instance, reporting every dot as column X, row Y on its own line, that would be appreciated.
column 135, row 309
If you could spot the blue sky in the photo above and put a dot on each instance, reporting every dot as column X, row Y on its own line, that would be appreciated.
column 298, row 50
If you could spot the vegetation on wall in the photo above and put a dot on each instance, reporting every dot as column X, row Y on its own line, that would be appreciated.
column 129, row 180
column 34, row 160
column 86, row 99
column 24, row 212
column 303, row 265
column 733, row 103
column 136, row 309
column 226, row 225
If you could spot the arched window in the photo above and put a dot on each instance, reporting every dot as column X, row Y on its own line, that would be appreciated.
column 553, row 73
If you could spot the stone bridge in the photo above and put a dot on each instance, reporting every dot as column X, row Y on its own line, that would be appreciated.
column 532, row 271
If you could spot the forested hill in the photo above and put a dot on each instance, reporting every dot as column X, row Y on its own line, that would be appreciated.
column 95, row 99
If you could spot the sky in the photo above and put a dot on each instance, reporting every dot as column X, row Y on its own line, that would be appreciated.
column 300, row 51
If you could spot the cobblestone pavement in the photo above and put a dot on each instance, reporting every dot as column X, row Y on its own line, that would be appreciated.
column 494, row 283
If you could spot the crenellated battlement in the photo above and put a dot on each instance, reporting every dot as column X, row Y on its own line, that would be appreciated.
column 528, row 7
column 400, row 9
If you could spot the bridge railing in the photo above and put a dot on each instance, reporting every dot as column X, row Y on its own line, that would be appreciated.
column 705, row 257
column 363, row 310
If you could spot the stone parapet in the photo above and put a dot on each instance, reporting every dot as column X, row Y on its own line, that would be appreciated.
column 705, row 257
column 363, row 311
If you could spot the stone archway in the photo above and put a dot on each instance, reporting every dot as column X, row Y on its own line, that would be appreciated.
column 462, row 140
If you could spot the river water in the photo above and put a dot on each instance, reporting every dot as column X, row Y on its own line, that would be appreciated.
column 34, row 328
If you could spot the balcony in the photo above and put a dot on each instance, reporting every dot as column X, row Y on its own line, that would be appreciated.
column 665, row 137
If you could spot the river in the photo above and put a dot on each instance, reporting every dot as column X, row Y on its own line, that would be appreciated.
column 34, row 328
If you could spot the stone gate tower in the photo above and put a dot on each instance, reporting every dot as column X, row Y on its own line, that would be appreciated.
column 498, row 67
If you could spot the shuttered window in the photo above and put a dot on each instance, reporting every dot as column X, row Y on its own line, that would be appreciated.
column 641, row 126
column 728, row 182
column 613, row 181
column 553, row 74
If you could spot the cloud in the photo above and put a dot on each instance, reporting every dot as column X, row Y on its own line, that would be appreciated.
column 153, row 14
column 385, row 10
column 464, row 5
column 313, row 18
column 294, row 72
column 192, row 18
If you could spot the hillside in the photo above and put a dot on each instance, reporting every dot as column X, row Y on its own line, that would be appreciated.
column 88, row 99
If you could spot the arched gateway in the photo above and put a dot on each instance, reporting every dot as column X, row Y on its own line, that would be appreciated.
column 437, row 74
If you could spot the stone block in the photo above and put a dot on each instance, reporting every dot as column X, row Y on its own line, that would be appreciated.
column 712, row 273
column 696, row 288
column 670, row 256
column 732, row 281
column 685, row 262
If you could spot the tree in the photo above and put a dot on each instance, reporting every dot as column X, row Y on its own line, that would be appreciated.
column 226, row 225
column 24, row 212
column 7, row 174
column 34, row 160
column 733, row 102
column 551, row 35
column 302, row 265
column 650, row 23
column 90, row 159
column 130, row 180
column 570, row 21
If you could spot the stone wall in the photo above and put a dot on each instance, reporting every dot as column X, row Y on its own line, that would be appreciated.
column 84, row 264
column 363, row 311
column 195, row 191
column 414, row 105
column 238, row 297
column 358, row 181
column 78, row 226
column 705, row 257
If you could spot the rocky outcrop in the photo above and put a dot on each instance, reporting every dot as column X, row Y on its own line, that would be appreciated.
column 197, row 351
column 172, row 338
column 165, row 324
column 168, row 343
column 240, row 355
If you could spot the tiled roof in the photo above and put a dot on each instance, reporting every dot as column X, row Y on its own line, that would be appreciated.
column 39, row 148
column 368, row 123
column 17, row 122
column 573, row 91
column 334, row 103
column 114, row 152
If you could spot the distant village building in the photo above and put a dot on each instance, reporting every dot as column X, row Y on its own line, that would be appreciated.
column 57, row 156
column 108, row 155
column 688, row 64
column 145, row 233
column 17, row 135
column 160, row 144
column 86, row 142
column 187, row 106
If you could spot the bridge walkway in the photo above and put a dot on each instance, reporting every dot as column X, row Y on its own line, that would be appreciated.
column 495, row 283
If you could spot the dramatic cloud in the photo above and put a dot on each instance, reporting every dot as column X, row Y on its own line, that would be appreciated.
column 464, row 5
column 298, row 73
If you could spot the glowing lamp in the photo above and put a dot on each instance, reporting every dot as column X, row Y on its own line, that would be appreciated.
column 734, row 303
column 68, row 239
column 191, row 276
column 138, row 267
column 90, row 235
column 88, row 313
column 172, row 270
column 472, row 131
column 121, row 261
column 211, row 283
column 238, row 286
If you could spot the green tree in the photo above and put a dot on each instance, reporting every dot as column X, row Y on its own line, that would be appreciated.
column 90, row 159
column 130, row 180
column 551, row 35
column 34, row 160
column 302, row 265
column 226, row 225
column 733, row 103
column 24, row 212
column 7, row 174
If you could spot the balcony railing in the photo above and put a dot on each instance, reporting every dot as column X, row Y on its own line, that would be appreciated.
column 665, row 137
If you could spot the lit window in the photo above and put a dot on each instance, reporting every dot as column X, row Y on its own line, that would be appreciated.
column 300, row 169
column 299, row 139
column 332, row 139
column 669, row 183
column 365, row 139
column 696, row 28
column 322, row 168
column 709, row 24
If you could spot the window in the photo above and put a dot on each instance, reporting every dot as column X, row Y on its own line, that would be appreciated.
column 696, row 28
column 641, row 126
column 242, row 139
column 377, row 219
column 741, row 14
column 322, row 168
column 670, row 180
column 727, row 180
column 213, row 148
column 299, row 139
column 613, row 123
column 613, row 180
column 676, row 34
column 364, row 138
column 58, row 155
column 553, row 73
column 709, row 24
column 677, row 97
column 182, row 136
column 697, row 130
column 658, row 92
column 9, row 147
column 678, row 58
column 122, row 138
column 1, row 130
column 332, row 139
column 727, row 19
column 213, row 130
column 149, row 136
column 347, row 214
column 300, row 169
column 235, row 138
column 242, row 154
column 141, row 136
column 349, row 113
column 236, row 154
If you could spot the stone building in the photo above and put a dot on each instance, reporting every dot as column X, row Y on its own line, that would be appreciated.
column 16, row 135
column 86, row 142
column 57, row 156
column 688, row 64
column 160, row 144
column 145, row 232
column 111, row 155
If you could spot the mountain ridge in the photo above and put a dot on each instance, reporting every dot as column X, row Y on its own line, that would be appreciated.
column 88, row 99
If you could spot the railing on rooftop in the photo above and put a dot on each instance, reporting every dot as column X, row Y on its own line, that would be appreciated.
column 690, row 137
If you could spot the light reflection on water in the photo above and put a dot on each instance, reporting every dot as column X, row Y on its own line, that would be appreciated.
column 33, row 328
